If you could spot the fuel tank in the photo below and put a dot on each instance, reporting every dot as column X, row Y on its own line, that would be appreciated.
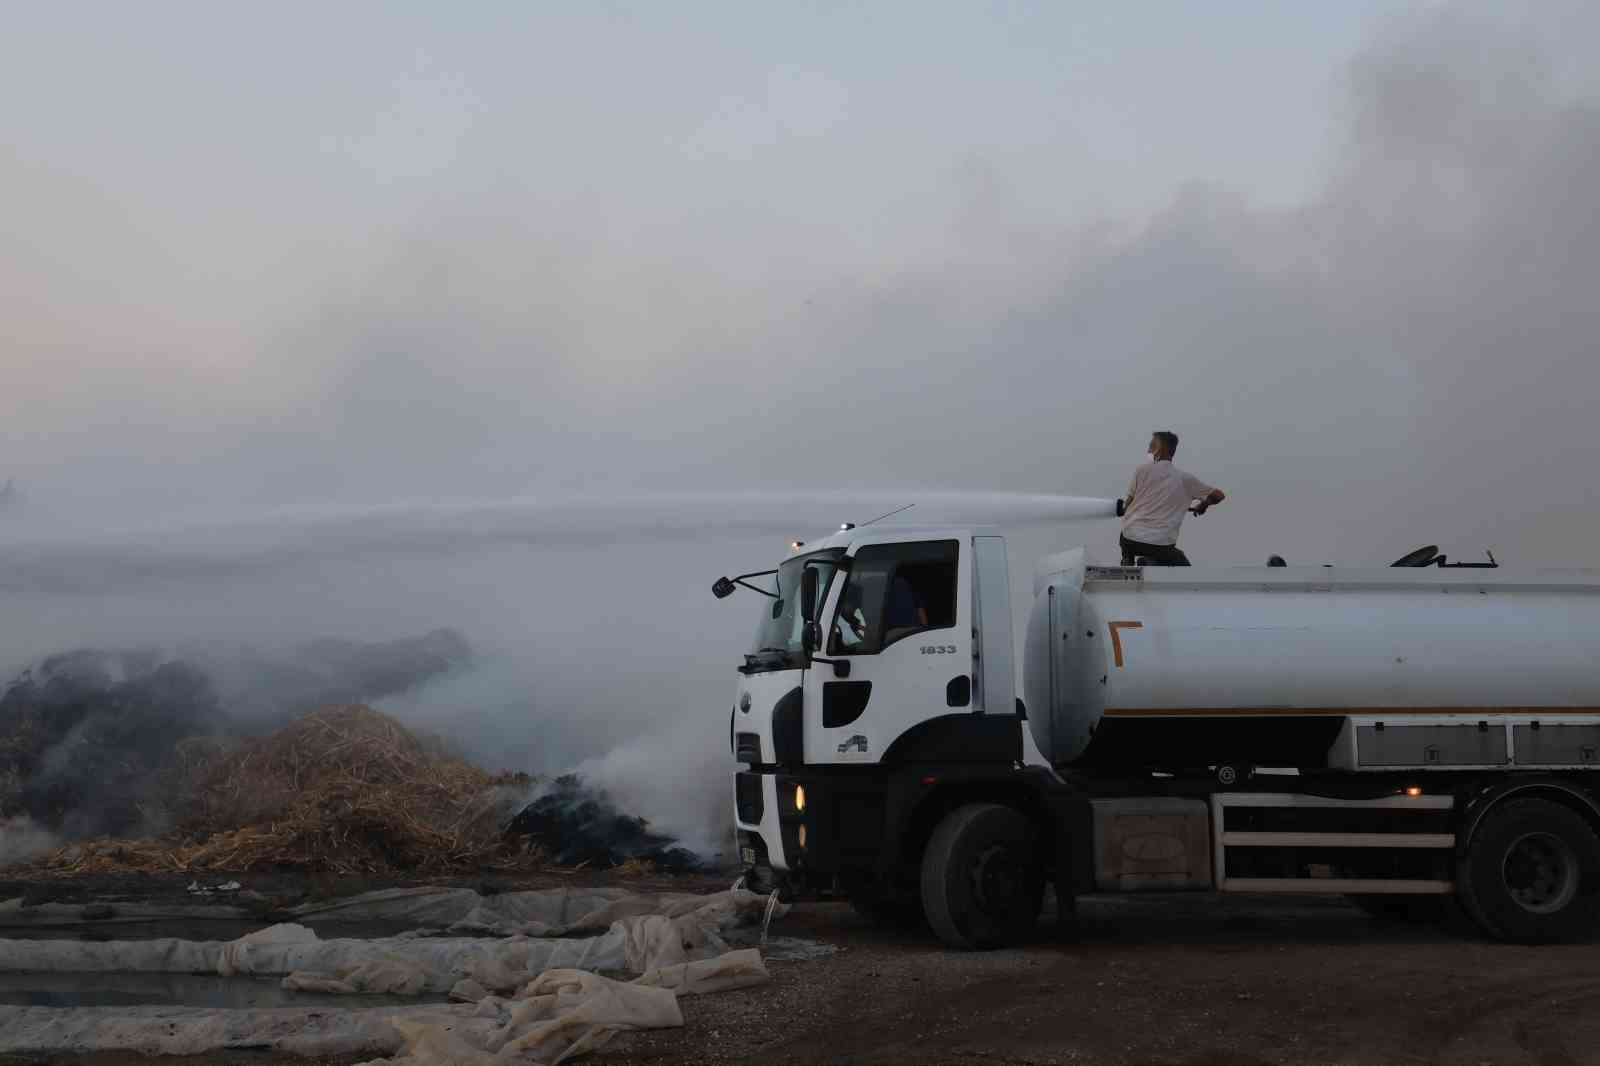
column 1183, row 667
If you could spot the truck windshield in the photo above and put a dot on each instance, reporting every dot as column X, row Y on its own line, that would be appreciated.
column 777, row 642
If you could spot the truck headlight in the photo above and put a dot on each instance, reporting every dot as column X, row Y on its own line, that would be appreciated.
column 799, row 797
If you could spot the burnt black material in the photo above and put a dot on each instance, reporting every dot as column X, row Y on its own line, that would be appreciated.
column 843, row 702
column 788, row 729
column 576, row 823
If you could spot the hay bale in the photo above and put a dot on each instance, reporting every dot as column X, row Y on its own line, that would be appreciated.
column 344, row 789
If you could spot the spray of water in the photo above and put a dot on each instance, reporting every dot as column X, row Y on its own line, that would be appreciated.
column 66, row 561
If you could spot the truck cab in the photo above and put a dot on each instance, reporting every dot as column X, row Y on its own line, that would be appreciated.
column 881, row 669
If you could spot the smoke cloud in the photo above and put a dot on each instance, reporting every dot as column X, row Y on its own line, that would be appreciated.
column 1404, row 355
column 21, row 839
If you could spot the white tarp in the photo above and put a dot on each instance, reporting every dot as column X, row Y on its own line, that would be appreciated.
column 559, row 1014
column 540, row 912
column 384, row 977
column 543, row 912
column 286, row 949
column 528, row 998
column 736, row 969
column 564, row 1013
column 14, row 914
column 127, row 956
column 198, row 1030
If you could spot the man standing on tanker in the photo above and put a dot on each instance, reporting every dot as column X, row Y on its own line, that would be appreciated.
column 1158, row 496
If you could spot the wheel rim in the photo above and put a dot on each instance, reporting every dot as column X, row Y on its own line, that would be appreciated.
column 1540, row 872
column 996, row 875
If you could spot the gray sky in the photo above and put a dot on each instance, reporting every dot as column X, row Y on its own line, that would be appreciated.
column 304, row 255
column 333, row 257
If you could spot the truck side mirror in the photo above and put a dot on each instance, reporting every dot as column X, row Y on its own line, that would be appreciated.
column 808, row 594
column 810, row 635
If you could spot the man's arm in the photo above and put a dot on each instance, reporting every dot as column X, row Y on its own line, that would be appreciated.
column 1207, row 496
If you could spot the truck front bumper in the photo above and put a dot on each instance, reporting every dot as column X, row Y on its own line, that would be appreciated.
column 771, row 826
column 816, row 831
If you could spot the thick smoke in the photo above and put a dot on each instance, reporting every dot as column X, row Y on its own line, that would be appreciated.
column 85, row 734
column 21, row 839
column 1405, row 357
column 87, row 738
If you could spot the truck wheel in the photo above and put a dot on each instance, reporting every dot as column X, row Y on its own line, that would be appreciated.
column 981, row 886
column 1531, row 873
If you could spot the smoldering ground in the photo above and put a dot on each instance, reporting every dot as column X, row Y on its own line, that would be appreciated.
column 1405, row 356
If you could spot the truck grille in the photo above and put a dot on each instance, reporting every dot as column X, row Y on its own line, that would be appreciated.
column 747, row 798
column 747, row 748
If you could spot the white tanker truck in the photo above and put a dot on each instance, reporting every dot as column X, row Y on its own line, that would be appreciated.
column 1433, row 732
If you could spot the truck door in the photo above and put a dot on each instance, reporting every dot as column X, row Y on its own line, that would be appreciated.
column 901, row 617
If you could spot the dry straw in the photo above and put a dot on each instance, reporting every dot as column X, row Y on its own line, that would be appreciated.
column 345, row 789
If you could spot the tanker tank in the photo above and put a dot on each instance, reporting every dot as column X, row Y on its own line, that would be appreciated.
column 1183, row 668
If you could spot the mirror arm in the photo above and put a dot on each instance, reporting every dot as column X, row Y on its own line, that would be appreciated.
column 755, row 588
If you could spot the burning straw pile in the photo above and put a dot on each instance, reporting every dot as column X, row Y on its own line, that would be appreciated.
column 344, row 789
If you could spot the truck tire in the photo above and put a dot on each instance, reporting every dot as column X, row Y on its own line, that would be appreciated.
column 981, row 885
column 1531, row 874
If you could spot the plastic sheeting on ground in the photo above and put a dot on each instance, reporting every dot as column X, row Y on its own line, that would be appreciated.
column 294, row 949
column 392, row 977
column 527, row 998
column 198, row 1030
column 542, row 912
column 287, row 949
column 564, row 1013
column 561, row 1014
column 736, row 969
column 14, row 914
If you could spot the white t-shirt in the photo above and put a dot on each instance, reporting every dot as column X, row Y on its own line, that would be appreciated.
column 1158, row 498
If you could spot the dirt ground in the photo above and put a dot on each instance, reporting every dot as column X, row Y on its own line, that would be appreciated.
column 1185, row 981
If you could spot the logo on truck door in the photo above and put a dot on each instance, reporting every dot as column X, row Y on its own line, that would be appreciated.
column 855, row 743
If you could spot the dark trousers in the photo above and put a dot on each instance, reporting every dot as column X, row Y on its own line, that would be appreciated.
column 1157, row 554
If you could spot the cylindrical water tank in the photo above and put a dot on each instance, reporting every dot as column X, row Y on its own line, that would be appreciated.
column 1188, row 667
